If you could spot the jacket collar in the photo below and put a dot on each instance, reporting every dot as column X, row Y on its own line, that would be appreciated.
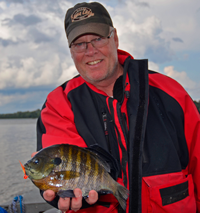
column 123, row 55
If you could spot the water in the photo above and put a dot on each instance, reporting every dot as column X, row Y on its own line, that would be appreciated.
column 17, row 142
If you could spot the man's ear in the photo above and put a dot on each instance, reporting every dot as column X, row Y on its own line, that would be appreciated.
column 71, row 54
column 116, row 39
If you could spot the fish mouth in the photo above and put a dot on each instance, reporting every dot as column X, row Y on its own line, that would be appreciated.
column 28, row 169
column 24, row 170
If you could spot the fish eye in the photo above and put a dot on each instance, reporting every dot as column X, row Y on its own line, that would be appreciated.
column 57, row 161
column 36, row 161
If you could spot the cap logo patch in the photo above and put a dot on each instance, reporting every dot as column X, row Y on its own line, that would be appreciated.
column 81, row 14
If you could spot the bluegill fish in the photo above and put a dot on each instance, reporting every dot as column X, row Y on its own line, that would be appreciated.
column 62, row 168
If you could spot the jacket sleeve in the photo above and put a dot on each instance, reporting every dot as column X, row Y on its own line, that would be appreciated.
column 56, row 122
column 56, row 125
column 191, row 126
column 192, row 134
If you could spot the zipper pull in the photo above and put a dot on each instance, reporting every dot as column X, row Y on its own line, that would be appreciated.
column 105, row 125
column 104, row 116
column 127, row 94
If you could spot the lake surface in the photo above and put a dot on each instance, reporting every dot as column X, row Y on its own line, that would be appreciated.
column 17, row 142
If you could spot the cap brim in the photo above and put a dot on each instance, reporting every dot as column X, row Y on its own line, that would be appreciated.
column 94, row 28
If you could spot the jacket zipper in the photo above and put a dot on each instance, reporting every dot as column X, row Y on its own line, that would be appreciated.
column 124, row 122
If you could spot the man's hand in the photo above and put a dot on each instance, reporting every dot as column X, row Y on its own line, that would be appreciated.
column 75, row 203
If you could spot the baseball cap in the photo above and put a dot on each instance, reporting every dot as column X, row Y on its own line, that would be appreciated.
column 86, row 18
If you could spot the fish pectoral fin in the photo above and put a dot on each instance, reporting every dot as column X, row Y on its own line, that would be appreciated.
column 66, row 175
column 66, row 193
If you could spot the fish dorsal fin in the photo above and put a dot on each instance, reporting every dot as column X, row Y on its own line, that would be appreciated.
column 111, row 164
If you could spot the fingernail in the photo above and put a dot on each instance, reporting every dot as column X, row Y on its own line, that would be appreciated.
column 78, row 194
column 91, row 195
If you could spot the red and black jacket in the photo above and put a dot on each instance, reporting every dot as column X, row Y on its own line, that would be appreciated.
column 150, row 125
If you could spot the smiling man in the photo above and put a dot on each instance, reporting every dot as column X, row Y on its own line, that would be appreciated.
column 144, row 123
column 96, row 59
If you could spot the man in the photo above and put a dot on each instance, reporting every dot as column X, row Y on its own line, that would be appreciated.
column 145, row 120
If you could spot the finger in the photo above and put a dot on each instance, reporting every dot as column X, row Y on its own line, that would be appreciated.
column 33, row 154
column 49, row 195
column 64, row 204
column 76, row 202
column 92, row 197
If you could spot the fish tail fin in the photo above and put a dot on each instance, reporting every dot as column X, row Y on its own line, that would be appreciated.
column 121, row 194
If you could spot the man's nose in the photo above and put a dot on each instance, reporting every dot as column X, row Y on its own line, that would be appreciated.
column 90, row 49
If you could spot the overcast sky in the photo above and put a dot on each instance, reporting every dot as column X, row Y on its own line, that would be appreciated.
column 34, row 56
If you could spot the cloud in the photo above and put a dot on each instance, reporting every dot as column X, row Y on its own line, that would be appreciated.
column 159, row 53
column 195, row 93
column 22, row 100
column 153, row 66
column 140, row 34
column 6, row 99
column 21, row 19
column 15, row 1
column 39, row 36
column 181, row 77
column 177, row 40
column 28, row 73
column 26, row 20
column 34, row 50
column 40, row 39
column 6, row 42
column 143, row 4
column 192, row 87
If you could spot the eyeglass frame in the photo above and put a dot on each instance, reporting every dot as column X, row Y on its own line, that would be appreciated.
column 86, row 43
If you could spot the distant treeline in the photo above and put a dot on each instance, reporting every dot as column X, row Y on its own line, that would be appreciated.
column 36, row 113
column 27, row 114
column 197, row 105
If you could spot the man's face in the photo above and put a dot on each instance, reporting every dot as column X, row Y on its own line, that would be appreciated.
column 97, row 64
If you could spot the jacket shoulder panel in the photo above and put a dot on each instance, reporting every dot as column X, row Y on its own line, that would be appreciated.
column 164, row 134
column 169, row 85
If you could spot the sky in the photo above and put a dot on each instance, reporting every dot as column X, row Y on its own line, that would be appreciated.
column 35, row 59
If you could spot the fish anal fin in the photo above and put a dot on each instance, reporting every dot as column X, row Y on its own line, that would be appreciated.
column 104, row 192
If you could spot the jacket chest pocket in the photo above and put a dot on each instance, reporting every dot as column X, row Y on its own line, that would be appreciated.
column 174, row 196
